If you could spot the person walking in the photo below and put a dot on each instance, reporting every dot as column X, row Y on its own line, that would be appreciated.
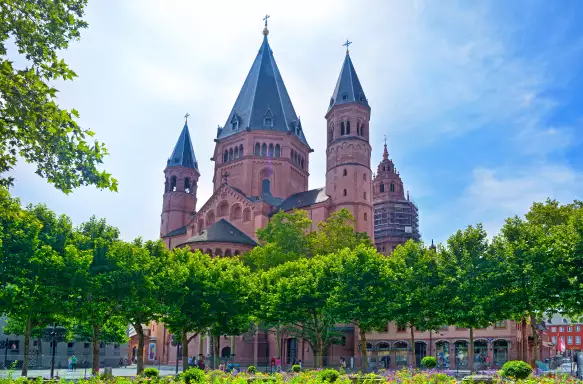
column 70, row 364
column 278, row 364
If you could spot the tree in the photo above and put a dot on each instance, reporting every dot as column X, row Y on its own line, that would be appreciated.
column 185, row 296
column 94, row 287
column 139, row 266
column 336, row 233
column 466, row 271
column 362, row 294
column 297, row 293
column 32, row 126
column 417, row 290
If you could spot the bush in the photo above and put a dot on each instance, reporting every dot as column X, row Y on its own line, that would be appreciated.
column 329, row 375
column 251, row 369
column 516, row 370
column 429, row 362
column 150, row 372
column 296, row 368
column 193, row 375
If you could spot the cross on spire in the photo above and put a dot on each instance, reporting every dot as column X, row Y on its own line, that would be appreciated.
column 385, row 140
column 265, row 19
column 347, row 44
column 186, row 117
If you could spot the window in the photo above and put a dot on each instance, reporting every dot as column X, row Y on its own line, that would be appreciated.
column 577, row 328
column 382, row 188
column 266, row 186
column 364, row 176
column 554, row 329
column 70, row 345
column 561, row 329
column 257, row 149
column 569, row 329
column 392, row 187
column 345, row 96
column 364, row 195
column 264, row 149
column 277, row 150
column 365, row 216
column 348, row 127
column 569, row 339
column 226, row 156
column 345, row 192
column 577, row 339
column 236, row 156
column 500, row 324
column 116, row 346
column 555, row 339
column 342, row 128
column 241, row 150
column 302, row 164
column 268, row 122
column 86, row 345
column 231, row 154
column 344, row 172
column 270, row 150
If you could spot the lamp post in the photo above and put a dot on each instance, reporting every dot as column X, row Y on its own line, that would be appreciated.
column 176, row 343
column 55, row 335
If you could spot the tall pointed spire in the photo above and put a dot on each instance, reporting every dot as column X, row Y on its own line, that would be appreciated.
column 348, row 88
column 385, row 152
column 263, row 103
column 183, row 154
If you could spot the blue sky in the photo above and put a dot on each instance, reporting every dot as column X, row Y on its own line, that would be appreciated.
column 480, row 101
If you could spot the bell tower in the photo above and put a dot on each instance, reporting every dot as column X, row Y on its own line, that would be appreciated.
column 348, row 173
column 181, row 174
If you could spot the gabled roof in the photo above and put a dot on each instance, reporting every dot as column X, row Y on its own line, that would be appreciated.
column 263, row 103
column 303, row 199
column 222, row 232
column 183, row 154
column 176, row 232
column 348, row 88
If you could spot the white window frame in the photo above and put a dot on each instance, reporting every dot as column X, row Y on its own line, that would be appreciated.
column 569, row 339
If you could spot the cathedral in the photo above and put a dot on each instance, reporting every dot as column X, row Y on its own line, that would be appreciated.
column 262, row 162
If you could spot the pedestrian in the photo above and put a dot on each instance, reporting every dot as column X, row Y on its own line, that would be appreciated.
column 272, row 364
column 70, row 364
column 278, row 364
column 300, row 363
column 120, row 363
column 343, row 362
column 190, row 361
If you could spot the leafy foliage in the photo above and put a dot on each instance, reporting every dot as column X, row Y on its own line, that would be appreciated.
column 516, row 370
column 193, row 375
column 328, row 375
column 429, row 362
column 32, row 125
column 151, row 373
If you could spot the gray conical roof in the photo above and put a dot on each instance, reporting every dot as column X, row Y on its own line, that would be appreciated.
column 183, row 154
column 348, row 88
column 263, row 103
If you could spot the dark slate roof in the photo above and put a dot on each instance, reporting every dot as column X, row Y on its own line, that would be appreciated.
column 263, row 95
column 224, row 232
column 304, row 199
column 348, row 88
column 183, row 154
column 176, row 232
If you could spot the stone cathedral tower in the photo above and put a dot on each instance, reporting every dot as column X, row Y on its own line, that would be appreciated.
column 348, row 173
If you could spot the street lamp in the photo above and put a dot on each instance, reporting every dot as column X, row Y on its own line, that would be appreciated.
column 55, row 335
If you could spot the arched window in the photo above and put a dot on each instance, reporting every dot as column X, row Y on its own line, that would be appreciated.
column 227, row 253
column 266, row 186
column 344, row 172
column 209, row 252
column 223, row 209
column 257, row 149
column 226, row 156
column 364, row 176
column 173, row 183
column 166, row 186
column 277, row 150
column 264, row 149
column 241, row 150
column 365, row 216
column 291, row 155
column 200, row 226
column 236, row 212
column 187, row 185
column 364, row 195
column 302, row 163
column 362, row 129
column 345, row 192
column 231, row 154
column 210, row 218
column 392, row 187
column 382, row 188
column 247, row 214
column 270, row 150
column 348, row 127
column 236, row 155
column 236, row 253
column 219, row 252
column 383, row 168
column 342, row 128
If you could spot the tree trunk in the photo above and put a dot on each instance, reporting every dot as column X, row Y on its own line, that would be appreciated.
column 201, row 345
column 412, row 347
column 233, row 346
column 278, row 337
column 524, row 343
column 363, row 355
column 534, row 341
column 25, row 358
column 471, row 351
column 95, row 358
column 318, row 350
column 217, row 348
column 140, row 332
column 184, row 343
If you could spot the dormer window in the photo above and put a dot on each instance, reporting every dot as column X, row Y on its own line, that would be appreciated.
column 234, row 123
column 268, row 122
column 345, row 96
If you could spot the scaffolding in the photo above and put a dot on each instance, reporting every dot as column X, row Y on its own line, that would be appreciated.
column 396, row 219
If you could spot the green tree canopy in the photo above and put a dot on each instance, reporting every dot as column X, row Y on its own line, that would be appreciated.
column 32, row 125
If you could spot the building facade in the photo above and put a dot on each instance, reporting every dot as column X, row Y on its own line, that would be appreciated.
column 566, row 330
